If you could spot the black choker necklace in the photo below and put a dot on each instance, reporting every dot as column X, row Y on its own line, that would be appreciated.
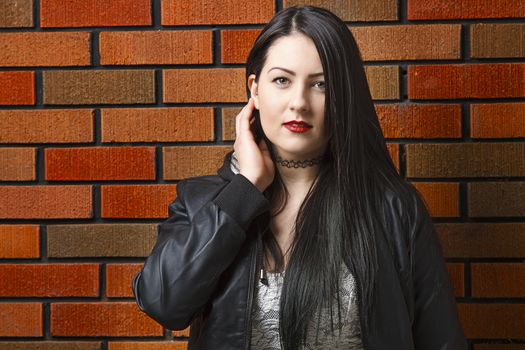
column 299, row 163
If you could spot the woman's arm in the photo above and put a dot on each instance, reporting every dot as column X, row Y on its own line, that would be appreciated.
column 436, row 325
column 189, row 256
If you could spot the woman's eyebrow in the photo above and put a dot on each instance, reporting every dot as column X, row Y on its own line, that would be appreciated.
column 293, row 73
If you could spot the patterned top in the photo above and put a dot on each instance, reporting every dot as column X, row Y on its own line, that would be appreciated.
column 265, row 316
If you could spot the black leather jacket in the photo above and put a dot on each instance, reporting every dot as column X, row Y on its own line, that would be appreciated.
column 202, row 270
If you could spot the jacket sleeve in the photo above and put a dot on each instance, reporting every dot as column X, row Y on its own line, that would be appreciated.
column 183, row 269
column 436, row 324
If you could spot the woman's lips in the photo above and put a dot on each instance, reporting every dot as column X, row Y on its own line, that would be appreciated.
column 298, row 128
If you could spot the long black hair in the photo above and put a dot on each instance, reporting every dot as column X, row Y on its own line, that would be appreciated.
column 343, row 212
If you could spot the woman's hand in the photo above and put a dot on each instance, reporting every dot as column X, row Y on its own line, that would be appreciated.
column 255, row 162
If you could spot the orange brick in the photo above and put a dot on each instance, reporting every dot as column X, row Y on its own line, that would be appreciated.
column 492, row 321
column 44, row 49
column 420, row 121
column 408, row 42
column 17, row 164
column 236, row 44
column 498, row 280
column 49, row 280
column 180, row 124
column 221, row 85
column 46, row 126
column 497, row 120
column 94, row 13
column 184, row 161
column 441, row 198
column 469, row 9
column 488, row 80
column 354, row 10
column 17, row 88
column 156, row 47
column 19, row 242
column 137, row 201
column 499, row 347
column 488, row 40
column 45, row 202
column 118, row 279
column 21, row 320
column 457, row 278
column 148, row 345
column 496, row 199
column 95, row 319
column 482, row 240
column 100, row 163
column 16, row 13
column 184, row 333
column 393, row 149
column 191, row 12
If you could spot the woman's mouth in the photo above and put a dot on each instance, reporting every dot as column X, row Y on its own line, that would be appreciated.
column 297, row 127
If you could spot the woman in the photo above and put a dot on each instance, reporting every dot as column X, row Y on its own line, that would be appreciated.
column 307, row 237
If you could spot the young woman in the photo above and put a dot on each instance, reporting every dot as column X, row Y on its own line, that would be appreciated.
column 307, row 238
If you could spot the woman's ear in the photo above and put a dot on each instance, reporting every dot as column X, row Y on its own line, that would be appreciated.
column 252, row 85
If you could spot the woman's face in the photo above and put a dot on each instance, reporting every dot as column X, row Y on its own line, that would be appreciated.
column 291, row 87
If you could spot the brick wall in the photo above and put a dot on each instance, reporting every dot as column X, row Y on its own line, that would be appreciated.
column 104, row 106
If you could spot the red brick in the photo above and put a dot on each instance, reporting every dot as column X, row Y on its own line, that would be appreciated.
column 49, row 280
column 499, row 280
column 118, row 279
column 19, row 242
column 236, row 44
column 408, row 42
column 441, row 198
column 489, row 80
column 482, row 240
column 16, row 13
column 180, row 124
column 469, row 9
column 21, row 319
column 137, row 201
column 40, row 344
column 393, row 150
column 100, row 163
column 420, row 121
column 17, row 88
column 499, row 347
column 96, row 319
column 457, row 278
column 191, row 12
column 46, row 126
column 148, row 345
column 184, row 333
column 496, row 199
column 156, row 47
column 94, row 13
column 186, row 85
column 352, row 10
column 492, row 321
column 184, row 161
column 45, row 202
column 488, row 40
column 497, row 120
column 44, row 49
column 17, row 164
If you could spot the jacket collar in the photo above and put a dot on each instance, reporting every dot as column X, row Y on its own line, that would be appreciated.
column 228, row 169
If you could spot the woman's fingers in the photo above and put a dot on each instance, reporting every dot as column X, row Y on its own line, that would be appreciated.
column 242, row 122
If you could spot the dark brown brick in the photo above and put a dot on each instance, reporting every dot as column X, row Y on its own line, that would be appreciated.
column 452, row 9
column 19, row 242
column 184, row 161
column 94, row 13
column 383, row 82
column 189, row 12
column 49, row 280
column 98, row 86
column 465, row 159
column 46, row 126
column 498, row 280
column 482, row 240
column 21, row 319
column 492, row 321
column 17, row 164
column 96, row 319
column 50, row 345
column 100, row 240
column 156, row 47
column 488, row 40
column 497, row 120
column 16, row 14
column 180, row 124
column 496, row 199
column 148, row 345
column 354, row 10
column 457, row 278
column 100, row 163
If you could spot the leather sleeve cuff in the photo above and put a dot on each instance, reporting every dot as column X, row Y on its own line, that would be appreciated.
column 242, row 200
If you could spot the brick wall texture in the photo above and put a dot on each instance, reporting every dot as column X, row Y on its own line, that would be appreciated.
column 106, row 105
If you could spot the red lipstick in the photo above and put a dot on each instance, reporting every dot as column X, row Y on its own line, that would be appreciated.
column 297, row 126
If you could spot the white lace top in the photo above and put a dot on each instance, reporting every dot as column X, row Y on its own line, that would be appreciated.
column 265, row 318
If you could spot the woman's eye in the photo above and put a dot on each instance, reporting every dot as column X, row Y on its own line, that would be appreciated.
column 322, row 84
column 279, row 78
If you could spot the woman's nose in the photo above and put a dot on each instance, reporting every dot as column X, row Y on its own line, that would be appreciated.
column 299, row 100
